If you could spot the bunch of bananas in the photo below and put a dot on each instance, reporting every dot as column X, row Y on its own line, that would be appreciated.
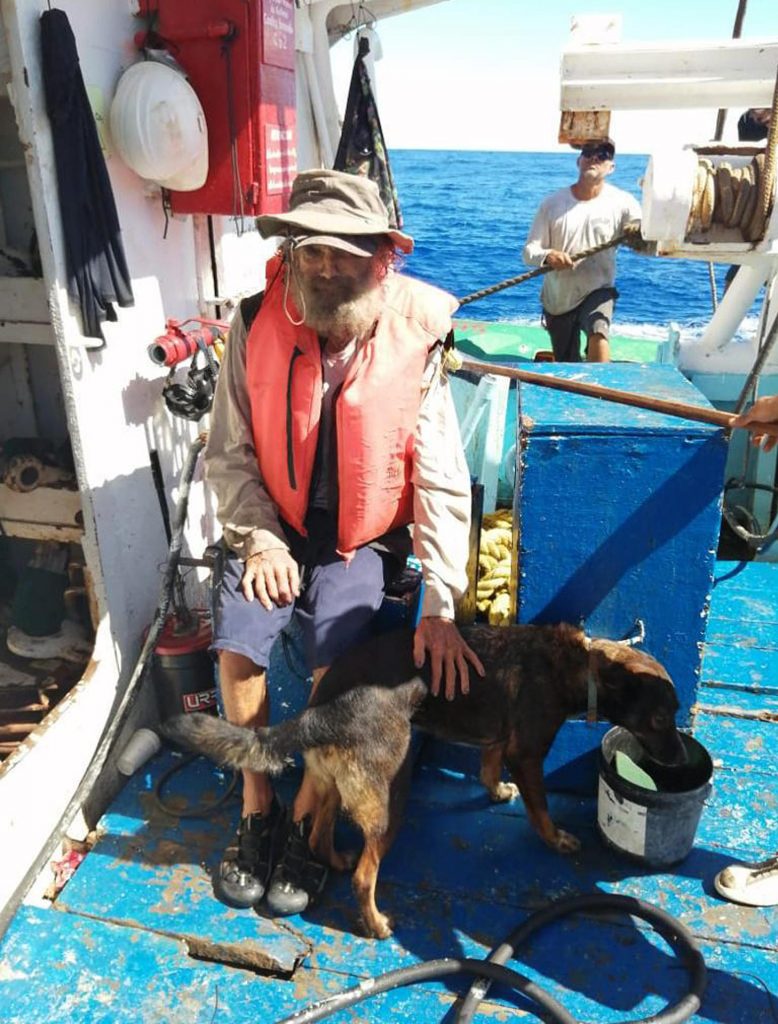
column 493, row 594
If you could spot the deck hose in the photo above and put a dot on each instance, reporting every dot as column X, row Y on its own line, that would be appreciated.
column 493, row 969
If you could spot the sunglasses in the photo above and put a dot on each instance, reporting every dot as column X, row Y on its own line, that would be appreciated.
column 597, row 152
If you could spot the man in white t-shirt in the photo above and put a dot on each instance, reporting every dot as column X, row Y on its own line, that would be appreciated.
column 579, row 296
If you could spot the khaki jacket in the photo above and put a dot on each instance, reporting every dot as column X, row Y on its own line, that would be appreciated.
column 441, row 479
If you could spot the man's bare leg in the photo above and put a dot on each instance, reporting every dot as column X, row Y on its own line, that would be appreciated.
column 598, row 350
column 243, row 874
column 244, row 693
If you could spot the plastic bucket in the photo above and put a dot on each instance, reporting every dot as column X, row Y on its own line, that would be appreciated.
column 183, row 670
column 654, row 828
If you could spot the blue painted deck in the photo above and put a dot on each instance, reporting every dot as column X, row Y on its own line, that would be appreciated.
column 136, row 935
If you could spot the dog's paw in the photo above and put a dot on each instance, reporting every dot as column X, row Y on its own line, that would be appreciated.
column 379, row 927
column 503, row 792
column 564, row 842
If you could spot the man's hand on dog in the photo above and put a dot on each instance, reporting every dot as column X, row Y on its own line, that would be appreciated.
column 272, row 576
column 448, row 654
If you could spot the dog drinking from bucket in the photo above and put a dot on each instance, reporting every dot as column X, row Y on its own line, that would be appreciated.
column 355, row 734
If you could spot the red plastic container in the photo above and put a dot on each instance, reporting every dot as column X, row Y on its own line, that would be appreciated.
column 182, row 668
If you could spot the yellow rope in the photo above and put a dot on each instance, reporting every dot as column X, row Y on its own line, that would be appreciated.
column 493, row 591
column 767, row 181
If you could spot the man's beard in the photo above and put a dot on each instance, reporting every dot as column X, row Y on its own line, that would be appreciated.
column 339, row 307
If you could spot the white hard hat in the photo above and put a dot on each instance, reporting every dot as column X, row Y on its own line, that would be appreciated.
column 158, row 126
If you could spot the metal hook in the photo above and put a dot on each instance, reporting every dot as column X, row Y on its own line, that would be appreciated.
column 358, row 20
column 365, row 23
column 639, row 634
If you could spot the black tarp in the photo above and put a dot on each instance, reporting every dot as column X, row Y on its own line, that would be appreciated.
column 96, row 266
column 361, row 149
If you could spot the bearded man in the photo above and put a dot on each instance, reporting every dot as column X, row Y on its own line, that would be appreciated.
column 333, row 430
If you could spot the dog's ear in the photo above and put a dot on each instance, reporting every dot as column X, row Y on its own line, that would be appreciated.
column 615, row 670
column 631, row 678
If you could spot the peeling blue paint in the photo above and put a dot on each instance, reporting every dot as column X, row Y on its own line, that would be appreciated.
column 461, row 875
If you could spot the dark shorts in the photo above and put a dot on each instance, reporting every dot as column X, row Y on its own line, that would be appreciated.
column 335, row 608
column 592, row 316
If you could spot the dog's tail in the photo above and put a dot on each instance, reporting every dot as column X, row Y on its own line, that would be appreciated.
column 350, row 718
column 263, row 750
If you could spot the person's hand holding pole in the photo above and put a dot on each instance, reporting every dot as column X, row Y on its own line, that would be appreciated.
column 762, row 420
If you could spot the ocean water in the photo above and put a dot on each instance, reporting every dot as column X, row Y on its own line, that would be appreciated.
column 470, row 213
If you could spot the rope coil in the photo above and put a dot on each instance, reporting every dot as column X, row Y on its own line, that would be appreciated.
column 732, row 197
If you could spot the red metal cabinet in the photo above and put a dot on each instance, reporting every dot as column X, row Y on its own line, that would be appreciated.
column 239, row 57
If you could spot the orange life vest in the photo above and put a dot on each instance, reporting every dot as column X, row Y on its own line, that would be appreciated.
column 375, row 412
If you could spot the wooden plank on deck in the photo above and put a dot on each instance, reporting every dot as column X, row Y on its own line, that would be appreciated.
column 60, row 970
column 730, row 666
column 748, row 745
column 745, row 636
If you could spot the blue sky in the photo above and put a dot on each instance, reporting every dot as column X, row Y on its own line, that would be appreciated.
column 484, row 74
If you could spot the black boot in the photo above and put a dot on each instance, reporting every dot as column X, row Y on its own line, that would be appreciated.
column 298, row 877
column 242, row 876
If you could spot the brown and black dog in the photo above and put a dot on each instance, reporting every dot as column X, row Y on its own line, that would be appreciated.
column 355, row 734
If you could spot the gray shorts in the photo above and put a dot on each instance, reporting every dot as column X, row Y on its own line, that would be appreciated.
column 335, row 608
column 592, row 316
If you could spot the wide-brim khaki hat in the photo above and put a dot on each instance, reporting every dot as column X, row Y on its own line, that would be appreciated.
column 332, row 204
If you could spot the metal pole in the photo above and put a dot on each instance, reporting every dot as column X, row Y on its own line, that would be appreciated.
column 680, row 409
column 737, row 29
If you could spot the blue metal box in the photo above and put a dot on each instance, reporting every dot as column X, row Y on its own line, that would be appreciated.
column 617, row 512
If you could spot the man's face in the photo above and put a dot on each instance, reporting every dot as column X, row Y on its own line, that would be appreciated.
column 339, row 291
column 332, row 276
column 595, row 162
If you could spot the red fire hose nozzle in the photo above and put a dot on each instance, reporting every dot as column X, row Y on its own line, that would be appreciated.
column 180, row 342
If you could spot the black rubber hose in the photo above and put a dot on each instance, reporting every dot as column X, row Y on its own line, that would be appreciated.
column 426, row 972
column 201, row 810
column 130, row 695
column 677, row 935
column 493, row 969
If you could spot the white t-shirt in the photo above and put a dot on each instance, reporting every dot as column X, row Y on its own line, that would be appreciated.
column 574, row 225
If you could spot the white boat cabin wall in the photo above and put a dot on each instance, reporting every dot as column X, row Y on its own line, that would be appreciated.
column 105, row 400
column 40, row 506
column 61, row 387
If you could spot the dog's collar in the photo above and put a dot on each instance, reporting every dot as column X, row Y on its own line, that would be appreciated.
column 591, row 687
column 591, row 698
